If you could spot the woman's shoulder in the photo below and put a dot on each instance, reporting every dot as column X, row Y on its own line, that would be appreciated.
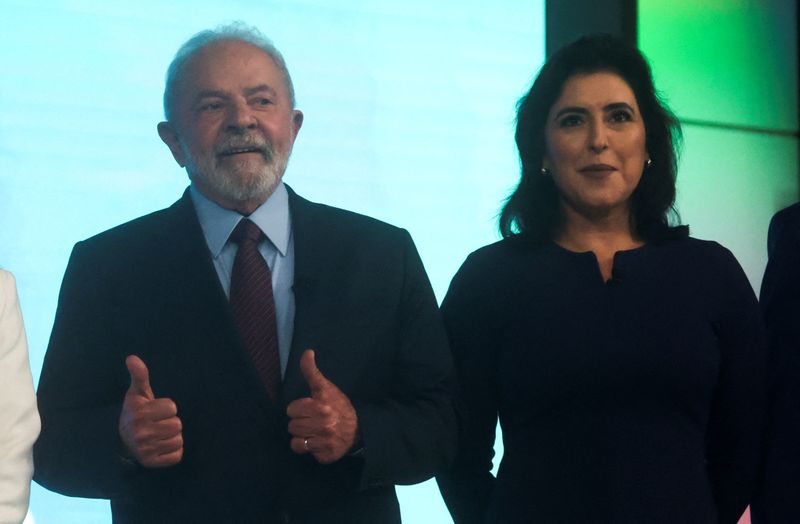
column 700, row 251
column 496, row 266
column 506, row 249
column 705, row 261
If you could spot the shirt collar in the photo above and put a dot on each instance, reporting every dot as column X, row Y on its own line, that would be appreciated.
column 272, row 217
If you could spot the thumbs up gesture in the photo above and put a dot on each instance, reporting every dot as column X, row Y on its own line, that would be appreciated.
column 324, row 424
column 148, row 426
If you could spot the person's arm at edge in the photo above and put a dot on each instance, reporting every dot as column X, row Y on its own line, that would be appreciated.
column 19, row 419
column 775, row 499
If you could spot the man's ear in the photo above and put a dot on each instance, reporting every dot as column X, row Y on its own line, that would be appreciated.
column 170, row 137
column 297, row 121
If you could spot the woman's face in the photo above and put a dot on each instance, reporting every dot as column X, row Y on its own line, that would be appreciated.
column 595, row 144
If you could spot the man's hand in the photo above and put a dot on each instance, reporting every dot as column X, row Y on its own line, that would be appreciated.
column 324, row 424
column 148, row 426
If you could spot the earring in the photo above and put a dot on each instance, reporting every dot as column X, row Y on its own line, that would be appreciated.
column 648, row 164
column 544, row 171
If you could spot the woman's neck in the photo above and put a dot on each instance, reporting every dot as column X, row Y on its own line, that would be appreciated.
column 603, row 234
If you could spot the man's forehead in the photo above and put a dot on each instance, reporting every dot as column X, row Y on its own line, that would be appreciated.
column 232, row 60
column 224, row 53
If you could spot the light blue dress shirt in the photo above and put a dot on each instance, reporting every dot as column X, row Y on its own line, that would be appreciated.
column 274, row 220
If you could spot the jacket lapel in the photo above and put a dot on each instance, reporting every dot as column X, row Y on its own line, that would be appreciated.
column 193, row 277
column 310, row 254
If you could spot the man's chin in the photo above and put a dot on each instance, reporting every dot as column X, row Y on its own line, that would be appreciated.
column 245, row 188
column 258, row 191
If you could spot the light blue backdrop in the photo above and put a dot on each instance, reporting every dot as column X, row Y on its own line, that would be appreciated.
column 409, row 118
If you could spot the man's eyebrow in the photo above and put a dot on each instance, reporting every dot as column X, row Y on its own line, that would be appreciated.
column 248, row 91
column 210, row 93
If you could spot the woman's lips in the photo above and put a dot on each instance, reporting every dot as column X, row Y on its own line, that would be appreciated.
column 597, row 169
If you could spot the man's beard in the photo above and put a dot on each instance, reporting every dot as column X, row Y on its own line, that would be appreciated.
column 242, row 179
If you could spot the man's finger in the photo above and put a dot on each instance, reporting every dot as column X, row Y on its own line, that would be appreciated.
column 314, row 377
column 140, row 377
column 159, row 409
column 169, row 445
column 302, row 427
column 163, row 461
column 300, row 445
column 159, row 429
column 305, row 407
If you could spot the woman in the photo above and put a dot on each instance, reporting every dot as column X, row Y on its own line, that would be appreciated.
column 623, row 358
column 19, row 419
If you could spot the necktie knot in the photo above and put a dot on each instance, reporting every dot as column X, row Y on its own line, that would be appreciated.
column 246, row 230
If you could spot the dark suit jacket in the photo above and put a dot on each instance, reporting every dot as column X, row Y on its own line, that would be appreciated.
column 149, row 288
column 777, row 500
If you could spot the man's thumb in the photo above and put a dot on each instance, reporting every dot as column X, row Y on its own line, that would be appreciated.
column 140, row 377
column 314, row 377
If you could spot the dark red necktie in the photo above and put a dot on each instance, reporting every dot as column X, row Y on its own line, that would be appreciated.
column 253, row 305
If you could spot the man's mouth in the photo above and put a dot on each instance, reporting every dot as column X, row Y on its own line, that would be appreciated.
column 241, row 151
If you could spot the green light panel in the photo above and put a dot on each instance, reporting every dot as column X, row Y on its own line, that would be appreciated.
column 729, row 71
column 727, row 61
column 730, row 184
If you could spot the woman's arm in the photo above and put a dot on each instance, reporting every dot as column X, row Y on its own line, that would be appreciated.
column 467, row 486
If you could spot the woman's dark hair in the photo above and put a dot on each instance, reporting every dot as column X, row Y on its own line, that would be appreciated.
column 532, row 209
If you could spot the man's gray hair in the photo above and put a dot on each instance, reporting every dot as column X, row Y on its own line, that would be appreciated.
column 234, row 31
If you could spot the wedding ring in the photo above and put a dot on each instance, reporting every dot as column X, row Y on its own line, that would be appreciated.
column 305, row 444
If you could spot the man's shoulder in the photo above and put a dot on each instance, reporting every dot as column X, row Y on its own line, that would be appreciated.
column 327, row 219
column 142, row 229
column 137, row 250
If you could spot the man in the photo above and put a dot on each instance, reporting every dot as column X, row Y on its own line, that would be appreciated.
column 776, row 500
column 179, row 381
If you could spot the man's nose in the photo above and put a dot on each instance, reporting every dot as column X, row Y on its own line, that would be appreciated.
column 240, row 117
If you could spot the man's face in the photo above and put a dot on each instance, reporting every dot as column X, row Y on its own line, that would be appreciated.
column 233, row 126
